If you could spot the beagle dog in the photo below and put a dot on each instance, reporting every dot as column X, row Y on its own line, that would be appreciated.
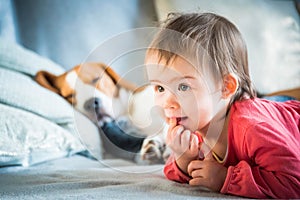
column 102, row 95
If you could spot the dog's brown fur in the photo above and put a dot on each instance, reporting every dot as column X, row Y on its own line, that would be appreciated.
column 99, row 75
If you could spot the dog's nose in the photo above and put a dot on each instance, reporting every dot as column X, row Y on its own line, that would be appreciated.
column 92, row 104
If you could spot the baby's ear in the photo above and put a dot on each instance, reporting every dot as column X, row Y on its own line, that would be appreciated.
column 230, row 85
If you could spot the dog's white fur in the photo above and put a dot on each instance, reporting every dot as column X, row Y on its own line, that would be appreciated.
column 138, row 107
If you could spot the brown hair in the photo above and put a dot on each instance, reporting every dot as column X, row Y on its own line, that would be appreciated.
column 217, row 36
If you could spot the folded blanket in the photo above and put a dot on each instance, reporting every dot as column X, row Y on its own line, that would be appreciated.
column 27, row 139
column 21, row 91
column 36, row 124
column 16, row 57
column 17, row 67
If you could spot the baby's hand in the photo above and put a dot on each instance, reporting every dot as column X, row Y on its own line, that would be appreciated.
column 208, row 173
column 184, row 144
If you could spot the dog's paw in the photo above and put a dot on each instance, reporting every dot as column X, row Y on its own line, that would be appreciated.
column 152, row 151
column 166, row 154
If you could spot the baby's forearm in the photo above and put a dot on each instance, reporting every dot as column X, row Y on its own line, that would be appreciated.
column 183, row 163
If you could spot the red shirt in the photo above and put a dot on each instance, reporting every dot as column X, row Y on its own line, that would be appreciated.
column 263, row 157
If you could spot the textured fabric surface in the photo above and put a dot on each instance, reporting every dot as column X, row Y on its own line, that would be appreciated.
column 26, row 138
column 36, row 124
column 81, row 178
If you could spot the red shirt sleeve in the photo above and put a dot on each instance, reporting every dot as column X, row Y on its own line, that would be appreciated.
column 172, row 171
column 270, row 165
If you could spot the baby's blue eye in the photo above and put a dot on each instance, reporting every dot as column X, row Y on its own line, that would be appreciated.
column 183, row 87
column 159, row 88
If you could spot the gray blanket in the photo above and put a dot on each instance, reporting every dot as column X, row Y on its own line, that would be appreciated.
column 81, row 178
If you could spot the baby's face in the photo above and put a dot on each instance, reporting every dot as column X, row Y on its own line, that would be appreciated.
column 181, row 92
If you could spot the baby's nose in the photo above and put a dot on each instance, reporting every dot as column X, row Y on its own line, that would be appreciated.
column 171, row 102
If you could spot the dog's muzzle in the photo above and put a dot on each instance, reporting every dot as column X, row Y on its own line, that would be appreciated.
column 95, row 105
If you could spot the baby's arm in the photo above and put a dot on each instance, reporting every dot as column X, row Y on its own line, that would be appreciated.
column 270, row 165
column 172, row 172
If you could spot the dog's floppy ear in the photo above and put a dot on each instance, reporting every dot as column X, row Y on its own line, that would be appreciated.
column 57, row 84
column 119, row 81
column 46, row 79
column 91, row 72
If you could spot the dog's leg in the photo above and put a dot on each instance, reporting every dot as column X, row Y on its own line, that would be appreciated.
column 121, row 139
column 154, row 149
column 120, row 143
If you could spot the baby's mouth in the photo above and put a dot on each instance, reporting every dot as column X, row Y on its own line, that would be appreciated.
column 180, row 120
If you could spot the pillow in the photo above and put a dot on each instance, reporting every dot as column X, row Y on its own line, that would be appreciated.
column 270, row 29
column 23, row 92
column 27, row 139
column 50, row 115
column 19, row 92
column 89, row 134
